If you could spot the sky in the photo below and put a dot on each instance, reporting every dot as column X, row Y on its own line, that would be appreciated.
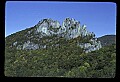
column 99, row 17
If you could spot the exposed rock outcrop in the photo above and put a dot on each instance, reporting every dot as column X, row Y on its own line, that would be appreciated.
column 30, row 45
column 70, row 29
column 48, row 27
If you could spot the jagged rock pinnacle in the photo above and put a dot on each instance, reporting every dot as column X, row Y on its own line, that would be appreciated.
column 69, row 29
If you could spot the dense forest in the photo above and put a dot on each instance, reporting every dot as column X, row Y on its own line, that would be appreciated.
column 67, row 60
column 52, row 50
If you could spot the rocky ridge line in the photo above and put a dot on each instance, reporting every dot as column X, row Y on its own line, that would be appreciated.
column 70, row 29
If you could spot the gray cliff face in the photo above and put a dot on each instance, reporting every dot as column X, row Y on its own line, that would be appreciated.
column 48, row 27
column 73, row 29
column 70, row 29
column 30, row 45
column 88, row 47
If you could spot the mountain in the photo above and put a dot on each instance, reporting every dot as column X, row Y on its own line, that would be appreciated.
column 48, row 33
column 107, row 40
column 54, row 50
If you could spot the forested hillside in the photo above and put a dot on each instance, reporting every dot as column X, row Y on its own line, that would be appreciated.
column 107, row 40
column 51, row 50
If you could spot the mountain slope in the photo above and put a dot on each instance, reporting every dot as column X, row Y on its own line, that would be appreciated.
column 107, row 40
column 49, row 49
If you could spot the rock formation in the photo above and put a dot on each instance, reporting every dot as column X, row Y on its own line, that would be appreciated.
column 70, row 29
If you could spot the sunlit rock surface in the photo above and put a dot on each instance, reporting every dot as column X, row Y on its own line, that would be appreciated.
column 69, row 29
column 30, row 45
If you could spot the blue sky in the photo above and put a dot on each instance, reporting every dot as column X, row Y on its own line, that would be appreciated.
column 100, row 17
